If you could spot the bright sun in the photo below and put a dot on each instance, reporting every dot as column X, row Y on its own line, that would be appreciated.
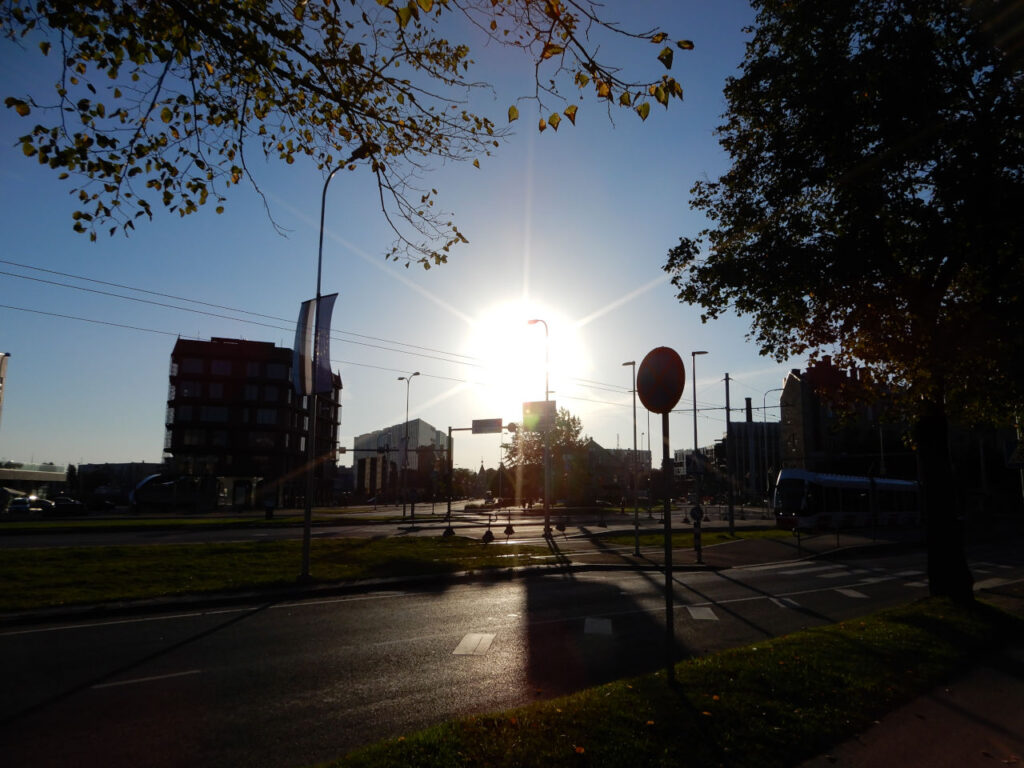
column 510, row 352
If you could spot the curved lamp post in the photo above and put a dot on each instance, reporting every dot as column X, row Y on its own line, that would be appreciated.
column 547, row 432
column 632, row 479
column 693, row 371
column 365, row 149
column 405, row 451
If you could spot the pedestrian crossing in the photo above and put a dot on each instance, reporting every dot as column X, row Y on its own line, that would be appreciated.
column 988, row 575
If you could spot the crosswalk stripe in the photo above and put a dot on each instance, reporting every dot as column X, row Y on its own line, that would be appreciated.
column 473, row 644
column 701, row 613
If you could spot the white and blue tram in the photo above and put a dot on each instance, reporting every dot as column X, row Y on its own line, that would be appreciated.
column 808, row 501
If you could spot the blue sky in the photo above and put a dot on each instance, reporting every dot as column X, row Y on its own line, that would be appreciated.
column 570, row 226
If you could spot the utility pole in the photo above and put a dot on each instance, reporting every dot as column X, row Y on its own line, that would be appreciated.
column 728, row 457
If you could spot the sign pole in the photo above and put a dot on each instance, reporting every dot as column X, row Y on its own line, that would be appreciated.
column 670, row 624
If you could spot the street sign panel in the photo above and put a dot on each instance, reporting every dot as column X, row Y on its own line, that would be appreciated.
column 539, row 416
column 486, row 426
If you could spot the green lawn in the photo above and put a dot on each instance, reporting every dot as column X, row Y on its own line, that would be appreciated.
column 43, row 578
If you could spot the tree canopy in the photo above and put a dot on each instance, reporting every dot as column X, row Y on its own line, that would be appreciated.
column 165, row 103
column 872, row 209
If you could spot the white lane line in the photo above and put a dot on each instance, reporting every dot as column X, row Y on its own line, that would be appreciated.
column 146, row 679
column 916, row 584
column 595, row 626
column 473, row 644
column 844, row 572
column 852, row 593
column 815, row 569
column 701, row 613
column 990, row 583
column 785, row 602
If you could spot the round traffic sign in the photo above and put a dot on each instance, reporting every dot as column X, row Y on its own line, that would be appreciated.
column 660, row 380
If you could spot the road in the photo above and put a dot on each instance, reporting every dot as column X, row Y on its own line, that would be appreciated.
column 293, row 683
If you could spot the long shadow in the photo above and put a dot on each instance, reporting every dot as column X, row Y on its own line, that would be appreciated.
column 109, row 675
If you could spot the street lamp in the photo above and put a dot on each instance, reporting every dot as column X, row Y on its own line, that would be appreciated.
column 632, row 477
column 547, row 432
column 693, row 387
column 764, row 435
column 405, row 450
column 364, row 150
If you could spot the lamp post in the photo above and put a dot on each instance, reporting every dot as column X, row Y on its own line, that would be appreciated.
column 693, row 370
column 405, row 450
column 547, row 432
column 632, row 476
column 764, row 435
column 365, row 149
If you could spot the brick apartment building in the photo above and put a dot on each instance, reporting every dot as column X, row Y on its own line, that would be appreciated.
column 235, row 422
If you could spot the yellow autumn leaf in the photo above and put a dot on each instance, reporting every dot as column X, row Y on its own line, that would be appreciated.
column 542, row 125
column 513, row 113
column 550, row 49
column 554, row 120
column 166, row 115
column 643, row 110
column 624, row 99
column 665, row 57
column 476, row 163
column 686, row 45
column 209, row 67
column 570, row 112
column 425, row 5
column 604, row 91
column 659, row 38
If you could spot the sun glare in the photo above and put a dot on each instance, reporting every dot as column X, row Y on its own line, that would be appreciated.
column 511, row 354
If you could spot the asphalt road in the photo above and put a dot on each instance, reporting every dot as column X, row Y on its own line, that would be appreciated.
column 296, row 683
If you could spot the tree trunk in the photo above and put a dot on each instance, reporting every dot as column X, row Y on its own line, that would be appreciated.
column 948, row 574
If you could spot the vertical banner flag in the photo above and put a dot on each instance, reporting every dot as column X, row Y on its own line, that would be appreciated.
column 306, row 380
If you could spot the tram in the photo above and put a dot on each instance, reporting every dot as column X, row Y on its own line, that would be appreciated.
column 809, row 501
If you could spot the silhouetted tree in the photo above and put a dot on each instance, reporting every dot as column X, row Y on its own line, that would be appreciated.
column 872, row 210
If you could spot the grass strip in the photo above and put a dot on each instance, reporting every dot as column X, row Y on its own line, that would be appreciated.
column 682, row 540
column 50, row 577
column 773, row 703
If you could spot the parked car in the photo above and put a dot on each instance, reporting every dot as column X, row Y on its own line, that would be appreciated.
column 65, row 505
column 18, row 506
column 29, row 505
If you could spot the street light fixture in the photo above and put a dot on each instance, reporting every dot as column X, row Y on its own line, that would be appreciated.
column 693, row 387
column 405, row 450
column 632, row 477
column 366, row 149
column 547, row 432
column 764, row 434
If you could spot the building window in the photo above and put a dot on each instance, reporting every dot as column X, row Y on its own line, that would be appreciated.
column 271, row 394
column 183, row 413
column 214, row 413
column 191, row 365
column 277, row 371
column 190, row 389
column 193, row 437
column 266, row 416
column 219, row 438
column 252, row 369
column 251, row 392
column 215, row 390
column 261, row 440
column 220, row 367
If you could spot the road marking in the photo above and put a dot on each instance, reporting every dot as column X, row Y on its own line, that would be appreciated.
column 990, row 583
column 842, row 573
column 473, row 644
column 146, row 679
column 852, row 593
column 804, row 571
column 701, row 613
column 785, row 602
column 594, row 626
column 916, row 584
